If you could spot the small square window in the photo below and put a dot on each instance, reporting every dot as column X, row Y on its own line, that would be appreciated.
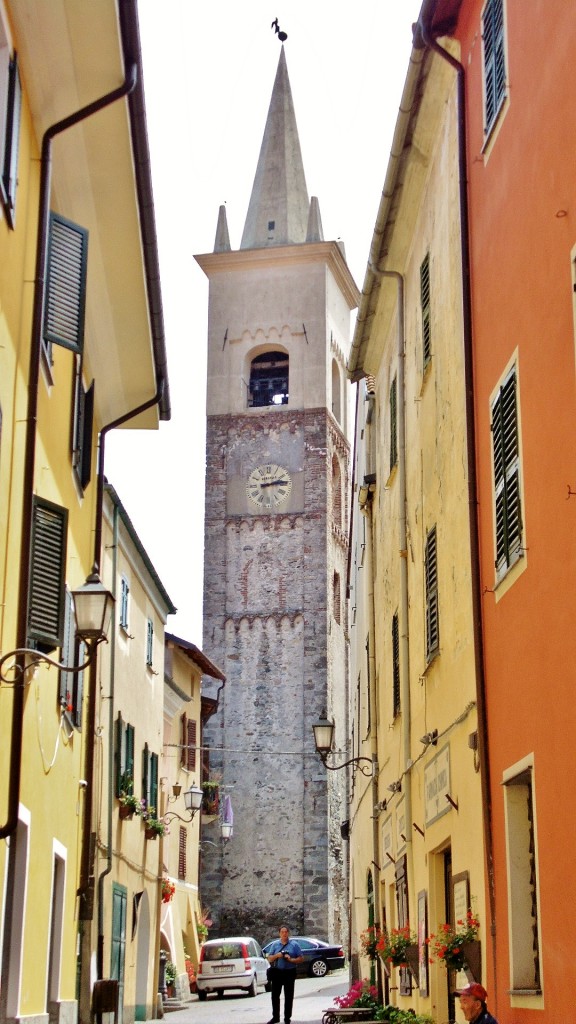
column 271, row 225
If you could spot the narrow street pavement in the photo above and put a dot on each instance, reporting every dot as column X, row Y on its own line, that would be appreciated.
column 311, row 998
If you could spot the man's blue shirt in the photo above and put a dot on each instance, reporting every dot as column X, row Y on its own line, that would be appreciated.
column 291, row 947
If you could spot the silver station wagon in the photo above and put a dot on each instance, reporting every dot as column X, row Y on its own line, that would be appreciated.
column 237, row 962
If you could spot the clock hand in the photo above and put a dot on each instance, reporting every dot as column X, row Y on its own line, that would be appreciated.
column 273, row 483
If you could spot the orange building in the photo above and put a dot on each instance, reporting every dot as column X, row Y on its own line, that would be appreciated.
column 517, row 61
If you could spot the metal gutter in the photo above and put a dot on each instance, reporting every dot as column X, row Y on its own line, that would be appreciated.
column 129, row 27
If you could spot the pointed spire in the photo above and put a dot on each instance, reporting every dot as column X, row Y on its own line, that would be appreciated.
column 278, row 210
column 222, row 240
column 314, row 232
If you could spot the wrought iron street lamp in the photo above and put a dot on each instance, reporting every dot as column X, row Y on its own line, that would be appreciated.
column 323, row 731
column 92, row 609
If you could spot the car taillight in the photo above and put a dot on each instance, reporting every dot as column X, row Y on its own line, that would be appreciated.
column 340, row 951
column 246, row 957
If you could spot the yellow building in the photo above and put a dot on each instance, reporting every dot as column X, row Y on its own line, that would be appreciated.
column 182, row 767
column 416, row 827
column 81, row 350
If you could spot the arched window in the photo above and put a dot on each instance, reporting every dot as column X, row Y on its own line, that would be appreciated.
column 336, row 391
column 268, row 380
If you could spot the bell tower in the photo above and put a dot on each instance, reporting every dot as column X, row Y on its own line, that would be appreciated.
column 276, row 544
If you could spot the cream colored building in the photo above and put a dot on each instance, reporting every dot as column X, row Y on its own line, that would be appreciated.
column 416, row 840
column 182, row 766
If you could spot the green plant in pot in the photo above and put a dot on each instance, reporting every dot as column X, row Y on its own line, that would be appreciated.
column 210, row 801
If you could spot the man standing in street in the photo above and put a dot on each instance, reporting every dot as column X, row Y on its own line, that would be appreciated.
column 283, row 956
column 473, row 1003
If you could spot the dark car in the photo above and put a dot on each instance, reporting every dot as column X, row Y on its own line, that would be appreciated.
column 319, row 957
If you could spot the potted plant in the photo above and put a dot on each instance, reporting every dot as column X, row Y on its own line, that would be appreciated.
column 129, row 804
column 190, row 971
column 168, row 890
column 153, row 826
column 362, row 995
column 170, row 978
column 210, row 801
column 203, row 923
column 369, row 941
column 398, row 948
column 457, row 946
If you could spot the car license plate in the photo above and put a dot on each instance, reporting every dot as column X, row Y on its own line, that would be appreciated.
column 223, row 968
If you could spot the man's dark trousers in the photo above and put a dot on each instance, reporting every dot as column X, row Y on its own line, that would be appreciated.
column 283, row 979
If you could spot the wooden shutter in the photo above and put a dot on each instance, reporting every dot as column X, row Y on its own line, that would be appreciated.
column 403, row 910
column 191, row 745
column 47, row 568
column 12, row 141
column 506, row 475
column 431, row 580
column 425, row 310
column 395, row 666
column 65, row 297
column 182, row 838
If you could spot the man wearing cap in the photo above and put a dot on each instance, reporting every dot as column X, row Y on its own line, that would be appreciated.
column 473, row 1003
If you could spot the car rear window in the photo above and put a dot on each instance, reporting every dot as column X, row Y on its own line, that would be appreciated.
column 225, row 951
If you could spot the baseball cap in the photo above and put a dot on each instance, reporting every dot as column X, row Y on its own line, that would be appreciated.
column 476, row 991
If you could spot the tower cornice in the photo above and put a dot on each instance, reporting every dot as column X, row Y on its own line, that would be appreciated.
column 329, row 253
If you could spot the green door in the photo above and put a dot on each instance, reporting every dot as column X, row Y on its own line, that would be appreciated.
column 118, row 949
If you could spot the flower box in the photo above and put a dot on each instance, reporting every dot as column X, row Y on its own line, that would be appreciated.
column 472, row 952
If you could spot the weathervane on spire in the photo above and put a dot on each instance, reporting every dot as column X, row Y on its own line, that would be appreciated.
column 282, row 36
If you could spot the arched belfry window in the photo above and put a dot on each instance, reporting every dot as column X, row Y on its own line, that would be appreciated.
column 268, row 380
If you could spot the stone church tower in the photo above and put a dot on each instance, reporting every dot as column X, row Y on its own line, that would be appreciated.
column 276, row 544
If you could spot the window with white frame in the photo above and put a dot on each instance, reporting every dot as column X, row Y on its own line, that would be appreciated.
column 522, row 867
column 494, row 61
column 506, row 466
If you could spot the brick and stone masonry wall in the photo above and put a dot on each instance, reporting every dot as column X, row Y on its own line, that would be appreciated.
column 268, row 622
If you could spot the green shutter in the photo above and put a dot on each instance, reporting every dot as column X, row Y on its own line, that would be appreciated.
column 393, row 423
column 65, row 297
column 47, row 574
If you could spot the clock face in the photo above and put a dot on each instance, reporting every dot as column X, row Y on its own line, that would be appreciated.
column 269, row 485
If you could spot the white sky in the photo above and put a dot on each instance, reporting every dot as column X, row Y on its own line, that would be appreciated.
column 209, row 69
